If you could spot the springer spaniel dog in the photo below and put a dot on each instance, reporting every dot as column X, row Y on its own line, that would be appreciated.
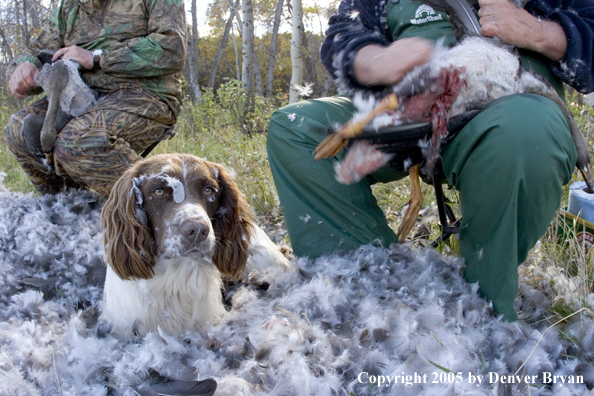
column 173, row 226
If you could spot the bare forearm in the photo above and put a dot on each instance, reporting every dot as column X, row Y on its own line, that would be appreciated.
column 378, row 65
column 551, row 42
column 516, row 26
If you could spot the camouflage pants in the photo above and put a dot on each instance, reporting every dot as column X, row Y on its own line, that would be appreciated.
column 95, row 148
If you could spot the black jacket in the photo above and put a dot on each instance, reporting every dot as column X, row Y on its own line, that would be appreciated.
column 348, row 32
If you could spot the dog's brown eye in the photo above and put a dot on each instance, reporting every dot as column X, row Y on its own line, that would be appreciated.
column 208, row 191
column 158, row 192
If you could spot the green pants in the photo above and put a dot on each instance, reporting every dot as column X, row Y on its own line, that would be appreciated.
column 509, row 165
column 95, row 148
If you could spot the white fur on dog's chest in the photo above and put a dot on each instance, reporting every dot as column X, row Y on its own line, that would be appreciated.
column 183, row 294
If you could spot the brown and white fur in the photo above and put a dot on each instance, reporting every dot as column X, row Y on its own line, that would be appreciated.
column 172, row 226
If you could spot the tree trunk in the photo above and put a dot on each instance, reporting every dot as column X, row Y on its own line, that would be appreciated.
column 25, row 24
column 272, row 53
column 35, row 12
column 221, row 51
column 237, row 73
column 186, row 70
column 5, row 45
column 310, row 72
column 296, row 57
column 233, row 8
column 257, row 75
column 193, row 84
column 247, row 49
column 326, row 86
column 20, row 14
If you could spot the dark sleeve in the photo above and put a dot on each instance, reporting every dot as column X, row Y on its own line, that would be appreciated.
column 576, row 17
column 357, row 24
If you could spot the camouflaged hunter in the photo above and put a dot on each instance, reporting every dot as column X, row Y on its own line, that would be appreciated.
column 139, row 82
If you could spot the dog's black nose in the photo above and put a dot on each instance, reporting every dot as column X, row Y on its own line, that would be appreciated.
column 195, row 231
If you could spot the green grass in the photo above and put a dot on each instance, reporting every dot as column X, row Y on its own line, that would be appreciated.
column 213, row 131
column 15, row 178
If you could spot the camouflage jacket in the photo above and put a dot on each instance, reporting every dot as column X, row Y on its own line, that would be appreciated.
column 143, row 43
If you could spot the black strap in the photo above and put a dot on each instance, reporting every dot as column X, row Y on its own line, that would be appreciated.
column 447, row 218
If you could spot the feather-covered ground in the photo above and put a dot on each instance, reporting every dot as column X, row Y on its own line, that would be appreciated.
column 325, row 327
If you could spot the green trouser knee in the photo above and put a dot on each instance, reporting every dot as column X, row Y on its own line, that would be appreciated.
column 321, row 214
column 509, row 164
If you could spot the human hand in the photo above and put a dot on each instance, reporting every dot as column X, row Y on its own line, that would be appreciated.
column 82, row 56
column 378, row 65
column 23, row 79
column 501, row 18
column 516, row 26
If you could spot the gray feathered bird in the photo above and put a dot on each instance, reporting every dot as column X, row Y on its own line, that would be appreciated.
column 465, row 77
column 68, row 97
column 465, row 24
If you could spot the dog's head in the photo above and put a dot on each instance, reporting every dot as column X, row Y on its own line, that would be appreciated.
column 175, row 205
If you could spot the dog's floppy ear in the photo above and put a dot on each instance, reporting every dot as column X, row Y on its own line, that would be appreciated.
column 233, row 227
column 127, row 239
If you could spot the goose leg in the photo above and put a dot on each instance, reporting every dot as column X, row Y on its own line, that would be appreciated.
column 414, row 203
column 339, row 139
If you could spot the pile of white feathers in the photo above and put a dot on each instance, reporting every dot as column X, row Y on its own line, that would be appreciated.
column 311, row 330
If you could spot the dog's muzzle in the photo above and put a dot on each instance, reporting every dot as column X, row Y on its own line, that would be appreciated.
column 194, row 231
